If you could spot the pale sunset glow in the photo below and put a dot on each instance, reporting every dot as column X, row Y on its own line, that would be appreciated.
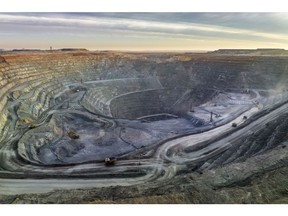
column 143, row 31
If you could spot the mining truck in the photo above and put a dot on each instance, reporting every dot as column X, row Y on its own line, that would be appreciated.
column 110, row 161
column 73, row 134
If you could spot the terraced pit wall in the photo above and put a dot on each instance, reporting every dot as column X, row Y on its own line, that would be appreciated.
column 32, row 81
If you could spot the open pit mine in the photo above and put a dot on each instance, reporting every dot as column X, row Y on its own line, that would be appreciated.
column 121, row 127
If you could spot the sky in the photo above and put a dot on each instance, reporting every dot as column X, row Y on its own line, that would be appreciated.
column 144, row 31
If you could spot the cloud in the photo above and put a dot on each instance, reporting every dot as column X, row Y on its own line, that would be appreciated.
column 266, row 27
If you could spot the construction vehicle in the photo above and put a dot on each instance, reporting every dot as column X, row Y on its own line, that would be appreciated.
column 109, row 161
column 73, row 135
column 32, row 126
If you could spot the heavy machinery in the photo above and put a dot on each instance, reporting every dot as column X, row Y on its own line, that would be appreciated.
column 110, row 161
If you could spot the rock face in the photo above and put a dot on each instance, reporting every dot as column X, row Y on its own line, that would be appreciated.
column 167, row 118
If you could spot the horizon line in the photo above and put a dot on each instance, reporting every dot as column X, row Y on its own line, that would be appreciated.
column 137, row 50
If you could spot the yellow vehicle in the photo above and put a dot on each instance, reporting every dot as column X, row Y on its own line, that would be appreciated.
column 73, row 135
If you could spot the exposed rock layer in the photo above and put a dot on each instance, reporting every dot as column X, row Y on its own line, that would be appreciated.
column 147, row 110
